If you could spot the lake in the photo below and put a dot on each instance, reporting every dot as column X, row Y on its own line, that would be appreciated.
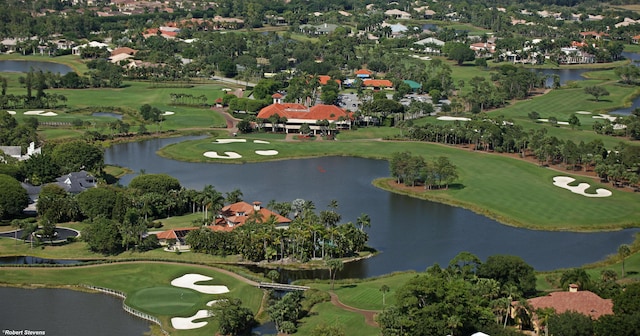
column 26, row 66
column 63, row 312
column 411, row 234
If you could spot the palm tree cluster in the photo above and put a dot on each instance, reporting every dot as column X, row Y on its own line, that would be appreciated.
column 310, row 235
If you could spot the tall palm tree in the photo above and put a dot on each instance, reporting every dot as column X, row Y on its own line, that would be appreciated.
column 623, row 251
column 364, row 221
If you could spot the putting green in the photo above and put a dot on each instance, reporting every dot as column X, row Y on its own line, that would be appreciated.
column 164, row 300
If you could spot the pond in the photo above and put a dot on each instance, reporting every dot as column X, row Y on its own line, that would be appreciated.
column 107, row 114
column 66, row 312
column 411, row 234
column 26, row 66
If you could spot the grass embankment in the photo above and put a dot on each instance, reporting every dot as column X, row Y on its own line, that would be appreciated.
column 143, row 283
column 509, row 190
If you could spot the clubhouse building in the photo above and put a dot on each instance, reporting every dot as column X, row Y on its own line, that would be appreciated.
column 293, row 115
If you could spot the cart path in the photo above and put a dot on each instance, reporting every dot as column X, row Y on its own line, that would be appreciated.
column 369, row 315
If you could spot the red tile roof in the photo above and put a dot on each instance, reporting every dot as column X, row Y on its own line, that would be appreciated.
column 276, row 95
column 123, row 50
column 324, row 79
column 363, row 72
column 583, row 302
column 377, row 82
column 298, row 111
column 175, row 233
column 238, row 213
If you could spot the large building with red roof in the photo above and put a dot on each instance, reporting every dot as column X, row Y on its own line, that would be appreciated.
column 584, row 302
column 237, row 214
column 298, row 114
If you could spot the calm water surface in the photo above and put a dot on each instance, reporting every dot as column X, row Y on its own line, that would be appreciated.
column 412, row 234
column 26, row 66
column 63, row 312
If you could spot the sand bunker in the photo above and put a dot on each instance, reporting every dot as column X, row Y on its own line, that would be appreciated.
column 447, row 118
column 583, row 112
column 563, row 182
column 189, row 280
column 166, row 113
column 11, row 112
column 267, row 152
column 226, row 141
column 41, row 113
column 215, row 302
column 185, row 323
column 605, row 116
column 260, row 142
column 557, row 122
column 227, row 155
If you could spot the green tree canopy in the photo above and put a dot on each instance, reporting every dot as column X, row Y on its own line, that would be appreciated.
column 509, row 270
column 96, row 202
column 78, row 155
column 156, row 183
column 13, row 198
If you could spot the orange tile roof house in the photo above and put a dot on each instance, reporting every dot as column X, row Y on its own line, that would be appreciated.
column 363, row 73
column 298, row 114
column 237, row 214
column 377, row 84
column 583, row 302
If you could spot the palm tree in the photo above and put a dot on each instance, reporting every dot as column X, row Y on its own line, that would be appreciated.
column 364, row 221
column 334, row 265
column 384, row 289
column 623, row 251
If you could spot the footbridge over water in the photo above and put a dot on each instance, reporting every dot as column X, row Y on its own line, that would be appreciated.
column 281, row 287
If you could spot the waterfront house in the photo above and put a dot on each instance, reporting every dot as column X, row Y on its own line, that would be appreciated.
column 236, row 214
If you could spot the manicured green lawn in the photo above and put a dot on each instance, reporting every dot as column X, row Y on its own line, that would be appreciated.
column 147, row 286
column 366, row 294
column 327, row 314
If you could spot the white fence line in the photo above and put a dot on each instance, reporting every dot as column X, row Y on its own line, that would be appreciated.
column 126, row 308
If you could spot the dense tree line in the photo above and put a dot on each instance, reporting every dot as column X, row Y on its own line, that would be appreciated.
column 458, row 300
column 413, row 169
column 618, row 165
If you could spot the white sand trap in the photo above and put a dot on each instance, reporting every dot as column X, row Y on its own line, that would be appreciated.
column 583, row 112
column 11, row 112
column 563, row 182
column 267, row 152
column 166, row 113
column 557, row 122
column 260, row 142
column 215, row 302
column 41, row 113
column 447, row 118
column 189, row 280
column 226, row 141
column 227, row 155
column 605, row 116
column 185, row 323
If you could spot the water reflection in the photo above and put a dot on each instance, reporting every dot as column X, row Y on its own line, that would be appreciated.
column 411, row 234
column 26, row 66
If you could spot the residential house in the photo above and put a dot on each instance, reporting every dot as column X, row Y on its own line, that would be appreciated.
column 237, row 214
column 397, row 14
column 573, row 55
column 635, row 39
column 321, row 29
column 584, row 302
column 16, row 151
column 483, row 49
column 377, row 84
column 175, row 237
column 415, row 86
column 431, row 45
column 363, row 73
column 77, row 182
column 298, row 114
column 93, row 44
column 593, row 34
column 324, row 79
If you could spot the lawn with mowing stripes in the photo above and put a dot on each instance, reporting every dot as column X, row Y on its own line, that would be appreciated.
column 366, row 294
column 327, row 314
column 165, row 300
column 507, row 189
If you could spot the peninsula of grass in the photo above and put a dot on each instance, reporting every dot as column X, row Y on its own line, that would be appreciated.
column 147, row 286
column 509, row 190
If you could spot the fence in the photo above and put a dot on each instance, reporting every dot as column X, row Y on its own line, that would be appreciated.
column 126, row 308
